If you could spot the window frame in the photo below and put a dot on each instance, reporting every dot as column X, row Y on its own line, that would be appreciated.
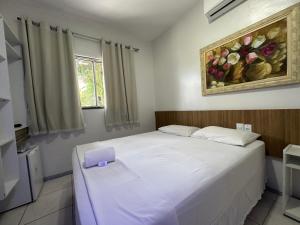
column 94, row 60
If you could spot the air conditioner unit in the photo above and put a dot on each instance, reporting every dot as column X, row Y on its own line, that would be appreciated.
column 213, row 9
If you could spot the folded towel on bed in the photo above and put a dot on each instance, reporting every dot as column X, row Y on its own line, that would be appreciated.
column 98, row 155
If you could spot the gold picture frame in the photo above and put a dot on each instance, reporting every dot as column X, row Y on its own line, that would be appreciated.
column 265, row 54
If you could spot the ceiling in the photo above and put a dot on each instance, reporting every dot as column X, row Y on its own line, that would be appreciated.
column 146, row 19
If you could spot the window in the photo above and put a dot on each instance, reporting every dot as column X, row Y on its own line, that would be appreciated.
column 90, row 81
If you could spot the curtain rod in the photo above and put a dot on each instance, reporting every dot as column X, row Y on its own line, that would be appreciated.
column 81, row 35
column 84, row 36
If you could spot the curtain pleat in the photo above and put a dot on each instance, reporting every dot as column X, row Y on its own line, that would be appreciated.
column 50, row 79
column 130, row 84
column 120, row 85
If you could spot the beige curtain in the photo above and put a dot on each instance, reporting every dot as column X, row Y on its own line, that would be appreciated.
column 120, row 85
column 50, row 79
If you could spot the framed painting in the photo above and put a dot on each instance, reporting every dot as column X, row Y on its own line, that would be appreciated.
column 264, row 54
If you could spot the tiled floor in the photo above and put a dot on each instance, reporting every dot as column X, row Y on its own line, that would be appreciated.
column 54, row 207
column 268, row 211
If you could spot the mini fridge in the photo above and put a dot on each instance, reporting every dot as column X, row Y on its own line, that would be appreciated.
column 30, row 183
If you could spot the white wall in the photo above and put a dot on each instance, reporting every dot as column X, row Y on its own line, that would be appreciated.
column 57, row 149
column 177, row 67
column 177, row 62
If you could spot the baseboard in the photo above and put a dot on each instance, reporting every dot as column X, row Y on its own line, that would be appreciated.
column 58, row 175
column 273, row 190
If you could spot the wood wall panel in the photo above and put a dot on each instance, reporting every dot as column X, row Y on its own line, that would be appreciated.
column 278, row 127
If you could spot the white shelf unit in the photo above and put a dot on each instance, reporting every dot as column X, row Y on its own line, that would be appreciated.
column 10, row 35
column 1, row 58
column 12, row 54
column 9, row 171
column 2, row 99
column 291, row 161
column 8, row 168
column 6, row 141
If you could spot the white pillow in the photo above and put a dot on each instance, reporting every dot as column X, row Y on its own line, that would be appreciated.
column 226, row 135
column 180, row 130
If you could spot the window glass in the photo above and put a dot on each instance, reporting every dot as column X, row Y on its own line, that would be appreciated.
column 90, row 82
column 99, row 84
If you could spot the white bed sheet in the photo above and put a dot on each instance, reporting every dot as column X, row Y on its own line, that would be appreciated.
column 162, row 179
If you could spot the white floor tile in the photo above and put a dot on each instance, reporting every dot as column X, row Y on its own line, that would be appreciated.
column 12, row 217
column 48, row 204
column 261, row 210
column 270, row 196
column 56, row 184
column 249, row 222
column 61, row 217
column 276, row 217
column 259, row 214
column 277, row 205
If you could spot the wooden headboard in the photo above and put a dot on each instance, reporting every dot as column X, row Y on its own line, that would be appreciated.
column 278, row 127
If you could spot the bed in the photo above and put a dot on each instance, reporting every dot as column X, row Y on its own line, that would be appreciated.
column 164, row 179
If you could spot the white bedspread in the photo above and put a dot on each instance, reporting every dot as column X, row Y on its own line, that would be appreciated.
column 161, row 179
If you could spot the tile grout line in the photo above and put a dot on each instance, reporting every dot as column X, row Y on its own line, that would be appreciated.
column 67, row 185
column 55, row 190
column 49, row 214
column 44, row 195
column 274, row 201
column 253, row 221
column 23, row 214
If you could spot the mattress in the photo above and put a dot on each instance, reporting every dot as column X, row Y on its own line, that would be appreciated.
column 163, row 179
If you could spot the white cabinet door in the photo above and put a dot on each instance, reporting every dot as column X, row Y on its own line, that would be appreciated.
column 35, row 171
column 21, row 193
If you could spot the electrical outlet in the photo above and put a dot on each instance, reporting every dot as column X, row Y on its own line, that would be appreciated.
column 248, row 127
column 240, row 126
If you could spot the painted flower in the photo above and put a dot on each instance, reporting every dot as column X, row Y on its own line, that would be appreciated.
column 219, row 75
column 244, row 51
column 220, row 84
column 247, row 40
column 222, row 60
column 251, row 57
column 212, row 70
column 225, row 52
column 226, row 66
column 216, row 61
column 210, row 56
column 258, row 41
column 233, row 58
column 273, row 33
column 268, row 49
column 214, row 83
column 236, row 46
